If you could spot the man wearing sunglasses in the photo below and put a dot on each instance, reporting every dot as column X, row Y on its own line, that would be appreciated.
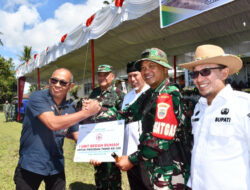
column 107, row 175
column 220, row 123
column 48, row 119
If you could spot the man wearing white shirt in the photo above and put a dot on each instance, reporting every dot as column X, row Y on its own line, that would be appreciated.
column 131, row 136
column 137, row 83
column 220, row 124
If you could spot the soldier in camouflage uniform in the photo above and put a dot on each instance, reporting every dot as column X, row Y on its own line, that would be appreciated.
column 162, row 144
column 107, row 175
column 6, row 110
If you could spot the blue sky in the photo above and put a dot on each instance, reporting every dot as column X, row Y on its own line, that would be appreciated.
column 40, row 23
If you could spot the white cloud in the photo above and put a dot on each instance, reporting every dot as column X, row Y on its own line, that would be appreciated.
column 10, row 5
column 25, row 27
column 12, row 25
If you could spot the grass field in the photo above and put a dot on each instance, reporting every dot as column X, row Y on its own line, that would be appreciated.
column 79, row 176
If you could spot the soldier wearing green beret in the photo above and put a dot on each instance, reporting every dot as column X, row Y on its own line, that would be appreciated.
column 162, row 143
column 107, row 175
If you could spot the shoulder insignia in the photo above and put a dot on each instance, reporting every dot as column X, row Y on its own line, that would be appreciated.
column 224, row 111
column 165, row 120
column 197, row 113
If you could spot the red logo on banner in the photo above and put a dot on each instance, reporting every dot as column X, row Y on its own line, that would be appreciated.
column 99, row 137
column 165, row 121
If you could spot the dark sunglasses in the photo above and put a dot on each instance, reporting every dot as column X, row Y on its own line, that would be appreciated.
column 204, row 72
column 61, row 82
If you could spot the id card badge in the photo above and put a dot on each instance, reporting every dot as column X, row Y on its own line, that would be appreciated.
column 165, row 121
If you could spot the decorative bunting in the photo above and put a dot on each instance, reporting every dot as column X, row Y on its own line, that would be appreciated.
column 90, row 19
column 64, row 37
column 118, row 3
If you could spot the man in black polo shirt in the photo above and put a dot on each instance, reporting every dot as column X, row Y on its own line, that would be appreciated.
column 49, row 118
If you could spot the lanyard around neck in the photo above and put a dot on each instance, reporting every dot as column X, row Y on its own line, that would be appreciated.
column 57, row 110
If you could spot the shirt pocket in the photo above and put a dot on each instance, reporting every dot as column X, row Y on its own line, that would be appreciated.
column 221, row 130
column 221, row 139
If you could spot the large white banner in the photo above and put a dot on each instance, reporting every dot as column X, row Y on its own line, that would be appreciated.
column 99, row 140
column 173, row 11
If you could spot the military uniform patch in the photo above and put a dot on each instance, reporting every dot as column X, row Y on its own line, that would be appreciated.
column 165, row 121
column 162, row 110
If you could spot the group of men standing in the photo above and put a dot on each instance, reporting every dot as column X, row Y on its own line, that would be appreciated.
column 221, row 153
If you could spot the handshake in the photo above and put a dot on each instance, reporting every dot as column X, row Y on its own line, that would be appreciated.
column 90, row 105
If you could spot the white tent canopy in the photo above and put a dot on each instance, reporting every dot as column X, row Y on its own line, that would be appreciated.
column 121, row 34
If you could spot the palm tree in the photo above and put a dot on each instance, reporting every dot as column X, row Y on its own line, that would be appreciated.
column 26, row 54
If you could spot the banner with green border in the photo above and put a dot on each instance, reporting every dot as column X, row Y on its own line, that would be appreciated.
column 174, row 11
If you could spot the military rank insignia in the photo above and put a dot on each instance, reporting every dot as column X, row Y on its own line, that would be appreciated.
column 165, row 120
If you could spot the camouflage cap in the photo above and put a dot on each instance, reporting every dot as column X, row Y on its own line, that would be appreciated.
column 155, row 55
column 104, row 68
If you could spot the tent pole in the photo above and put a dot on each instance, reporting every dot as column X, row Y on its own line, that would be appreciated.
column 93, row 64
column 175, row 68
column 38, row 79
column 21, row 82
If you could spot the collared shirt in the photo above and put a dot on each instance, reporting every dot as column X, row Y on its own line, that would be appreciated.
column 132, row 96
column 131, row 135
column 40, row 148
column 221, row 152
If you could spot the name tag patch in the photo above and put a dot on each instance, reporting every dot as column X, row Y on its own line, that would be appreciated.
column 223, row 119
column 165, row 121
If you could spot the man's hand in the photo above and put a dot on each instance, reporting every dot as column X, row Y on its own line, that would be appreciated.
column 95, row 162
column 58, row 122
column 124, row 163
column 91, row 106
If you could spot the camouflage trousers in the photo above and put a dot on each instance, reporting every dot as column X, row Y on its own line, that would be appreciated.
column 108, row 177
column 164, row 177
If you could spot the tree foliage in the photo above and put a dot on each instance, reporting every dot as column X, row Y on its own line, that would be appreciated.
column 26, row 54
column 8, row 82
column 73, row 92
column 34, row 87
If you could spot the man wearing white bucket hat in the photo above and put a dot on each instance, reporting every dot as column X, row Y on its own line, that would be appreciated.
column 220, row 124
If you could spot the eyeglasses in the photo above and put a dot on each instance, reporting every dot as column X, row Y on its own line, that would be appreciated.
column 61, row 82
column 204, row 72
